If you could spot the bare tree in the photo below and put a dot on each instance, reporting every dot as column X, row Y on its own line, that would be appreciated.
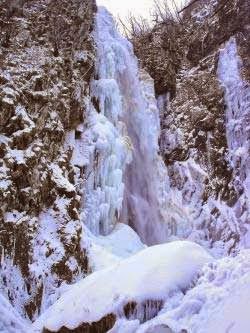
column 166, row 10
column 163, row 12
column 134, row 26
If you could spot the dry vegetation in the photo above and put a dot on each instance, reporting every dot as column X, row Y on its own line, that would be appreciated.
column 162, row 12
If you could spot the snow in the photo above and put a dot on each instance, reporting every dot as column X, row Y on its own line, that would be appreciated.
column 59, row 179
column 4, row 184
column 154, row 273
column 14, row 217
column 233, row 315
column 104, row 251
column 21, row 112
column 48, row 250
column 10, row 320
column 217, row 302
column 17, row 155
column 123, row 241
column 14, row 286
column 81, row 56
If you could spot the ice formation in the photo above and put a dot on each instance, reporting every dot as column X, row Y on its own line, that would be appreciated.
column 125, row 163
column 237, row 95
column 108, row 147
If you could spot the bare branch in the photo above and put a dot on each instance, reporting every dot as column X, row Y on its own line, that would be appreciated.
column 165, row 11
column 134, row 26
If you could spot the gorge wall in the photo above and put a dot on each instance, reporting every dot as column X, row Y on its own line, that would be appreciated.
column 203, row 96
column 47, row 58
column 99, row 158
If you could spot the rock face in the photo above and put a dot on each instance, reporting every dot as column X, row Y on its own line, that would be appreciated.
column 201, row 125
column 46, row 58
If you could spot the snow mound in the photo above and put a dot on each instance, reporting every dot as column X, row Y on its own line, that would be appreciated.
column 150, row 275
column 10, row 321
column 219, row 302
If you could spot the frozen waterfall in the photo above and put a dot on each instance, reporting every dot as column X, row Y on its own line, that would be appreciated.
column 237, row 100
column 128, row 183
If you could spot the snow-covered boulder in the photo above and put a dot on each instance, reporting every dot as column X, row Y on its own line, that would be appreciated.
column 135, row 288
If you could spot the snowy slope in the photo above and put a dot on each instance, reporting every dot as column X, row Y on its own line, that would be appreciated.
column 10, row 320
column 218, row 301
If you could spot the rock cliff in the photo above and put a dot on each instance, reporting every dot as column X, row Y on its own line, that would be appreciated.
column 47, row 58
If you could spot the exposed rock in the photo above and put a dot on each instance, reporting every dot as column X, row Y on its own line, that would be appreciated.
column 103, row 325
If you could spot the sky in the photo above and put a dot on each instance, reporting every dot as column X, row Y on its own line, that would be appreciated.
column 142, row 8
column 123, row 7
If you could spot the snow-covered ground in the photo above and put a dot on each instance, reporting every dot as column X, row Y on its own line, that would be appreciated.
column 199, row 294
